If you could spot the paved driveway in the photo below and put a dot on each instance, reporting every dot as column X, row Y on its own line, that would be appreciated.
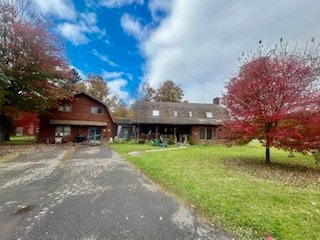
column 88, row 192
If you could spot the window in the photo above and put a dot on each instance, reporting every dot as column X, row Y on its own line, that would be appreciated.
column 202, row 134
column 205, row 133
column 155, row 113
column 209, row 134
column 64, row 108
column 190, row 114
column 209, row 115
column 96, row 110
column 66, row 130
column 175, row 113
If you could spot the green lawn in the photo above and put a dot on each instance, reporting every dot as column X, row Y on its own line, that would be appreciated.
column 235, row 189
column 21, row 140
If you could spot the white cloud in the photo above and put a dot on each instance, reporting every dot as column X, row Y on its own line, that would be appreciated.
column 133, row 27
column 78, row 27
column 158, row 8
column 75, row 33
column 111, row 75
column 103, row 58
column 119, row 3
column 90, row 3
column 198, row 43
column 117, row 82
column 79, row 32
column 117, row 88
column 64, row 9
column 89, row 18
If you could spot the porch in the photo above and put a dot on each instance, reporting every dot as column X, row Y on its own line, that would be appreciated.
column 164, row 132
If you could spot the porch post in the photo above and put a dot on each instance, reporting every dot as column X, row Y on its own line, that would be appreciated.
column 175, row 135
column 156, row 132
column 138, row 133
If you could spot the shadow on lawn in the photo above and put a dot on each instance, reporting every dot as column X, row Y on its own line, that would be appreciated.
column 289, row 173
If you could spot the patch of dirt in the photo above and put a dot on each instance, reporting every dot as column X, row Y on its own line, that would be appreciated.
column 291, row 175
column 24, row 209
column 8, row 152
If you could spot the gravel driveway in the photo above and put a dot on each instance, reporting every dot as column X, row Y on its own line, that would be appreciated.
column 89, row 192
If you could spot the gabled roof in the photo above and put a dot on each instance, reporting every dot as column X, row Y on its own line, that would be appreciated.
column 143, row 113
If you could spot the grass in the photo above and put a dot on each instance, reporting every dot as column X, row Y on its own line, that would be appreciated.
column 235, row 189
column 21, row 140
column 128, row 147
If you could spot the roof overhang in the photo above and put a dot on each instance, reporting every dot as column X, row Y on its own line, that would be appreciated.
column 177, row 121
column 77, row 122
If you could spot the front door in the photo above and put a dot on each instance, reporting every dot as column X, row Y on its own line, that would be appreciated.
column 182, row 133
column 94, row 134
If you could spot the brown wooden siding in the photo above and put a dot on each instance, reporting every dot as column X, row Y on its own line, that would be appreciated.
column 80, row 111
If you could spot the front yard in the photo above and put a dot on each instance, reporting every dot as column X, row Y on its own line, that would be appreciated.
column 234, row 189
column 16, row 146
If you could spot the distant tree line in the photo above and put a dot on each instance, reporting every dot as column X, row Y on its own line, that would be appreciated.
column 168, row 91
column 97, row 87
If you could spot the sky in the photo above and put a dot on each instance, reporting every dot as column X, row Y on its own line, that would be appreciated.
column 194, row 43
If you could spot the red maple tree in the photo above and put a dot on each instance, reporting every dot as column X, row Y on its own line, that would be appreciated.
column 275, row 98
column 33, row 71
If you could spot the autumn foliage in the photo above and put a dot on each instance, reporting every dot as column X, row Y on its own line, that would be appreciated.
column 168, row 91
column 34, row 74
column 275, row 98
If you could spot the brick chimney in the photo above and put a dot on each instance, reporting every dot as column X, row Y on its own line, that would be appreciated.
column 216, row 101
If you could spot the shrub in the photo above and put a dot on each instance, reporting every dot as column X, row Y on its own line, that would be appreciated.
column 190, row 141
column 170, row 140
column 316, row 156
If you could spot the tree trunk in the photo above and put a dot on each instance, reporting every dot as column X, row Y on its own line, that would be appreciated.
column 4, row 128
column 268, row 129
column 268, row 161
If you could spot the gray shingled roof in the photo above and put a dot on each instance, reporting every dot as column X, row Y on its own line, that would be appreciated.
column 123, row 121
column 143, row 113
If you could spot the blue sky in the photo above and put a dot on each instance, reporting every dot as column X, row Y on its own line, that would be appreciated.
column 195, row 43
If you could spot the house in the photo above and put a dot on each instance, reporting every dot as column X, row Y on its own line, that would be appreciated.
column 81, row 118
column 182, row 121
